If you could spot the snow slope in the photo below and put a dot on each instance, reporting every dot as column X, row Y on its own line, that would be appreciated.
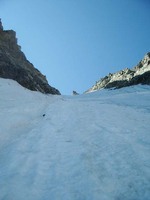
column 89, row 147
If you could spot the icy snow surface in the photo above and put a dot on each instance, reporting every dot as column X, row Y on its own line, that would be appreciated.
column 88, row 147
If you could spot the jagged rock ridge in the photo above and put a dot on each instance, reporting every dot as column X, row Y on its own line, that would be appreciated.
column 140, row 74
column 14, row 65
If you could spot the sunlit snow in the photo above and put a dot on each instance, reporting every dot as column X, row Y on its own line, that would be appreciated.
column 88, row 147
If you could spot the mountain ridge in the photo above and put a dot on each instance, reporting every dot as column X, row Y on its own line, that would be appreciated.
column 14, row 65
column 140, row 74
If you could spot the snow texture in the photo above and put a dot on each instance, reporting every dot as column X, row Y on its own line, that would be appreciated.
column 88, row 147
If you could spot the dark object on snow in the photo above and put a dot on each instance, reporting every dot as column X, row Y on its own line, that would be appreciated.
column 43, row 115
column 75, row 93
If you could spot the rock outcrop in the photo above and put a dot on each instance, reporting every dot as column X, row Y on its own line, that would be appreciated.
column 1, row 26
column 140, row 74
column 14, row 65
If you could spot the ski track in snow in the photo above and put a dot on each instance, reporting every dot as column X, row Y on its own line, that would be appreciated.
column 88, row 147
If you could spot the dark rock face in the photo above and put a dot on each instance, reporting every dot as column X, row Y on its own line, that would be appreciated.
column 14, row 65
column 140, row 74
column 1, row 26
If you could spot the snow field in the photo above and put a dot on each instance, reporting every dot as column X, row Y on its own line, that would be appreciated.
column 87, row 147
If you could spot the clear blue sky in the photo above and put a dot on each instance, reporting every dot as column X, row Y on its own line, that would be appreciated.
column 76, row 42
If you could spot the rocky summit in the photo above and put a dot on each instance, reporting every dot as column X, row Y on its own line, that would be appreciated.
column 14, row 65
column 140, row 74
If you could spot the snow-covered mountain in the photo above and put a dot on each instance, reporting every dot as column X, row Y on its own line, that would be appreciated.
column 88, row 147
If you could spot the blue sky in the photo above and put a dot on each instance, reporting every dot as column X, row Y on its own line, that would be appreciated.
column 76, row 42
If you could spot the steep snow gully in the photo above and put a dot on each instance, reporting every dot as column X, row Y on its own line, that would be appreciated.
column 89, row 147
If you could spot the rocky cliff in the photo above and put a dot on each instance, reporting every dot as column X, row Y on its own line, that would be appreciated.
column 14, row 65
column 140, row 74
